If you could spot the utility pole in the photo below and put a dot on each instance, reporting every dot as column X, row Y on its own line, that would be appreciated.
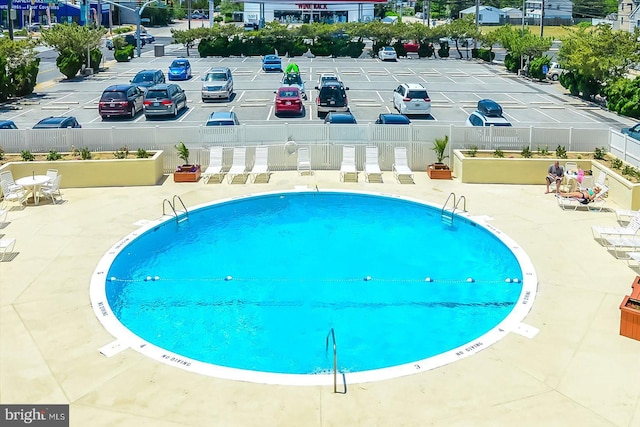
column 9, row 20
column 541, row 18
column 475, row 40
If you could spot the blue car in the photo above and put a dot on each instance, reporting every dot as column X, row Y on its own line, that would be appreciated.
column 180, row 69
column 7, row 124
column 271, row 63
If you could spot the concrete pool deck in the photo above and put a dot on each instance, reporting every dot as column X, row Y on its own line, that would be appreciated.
column 576, row 371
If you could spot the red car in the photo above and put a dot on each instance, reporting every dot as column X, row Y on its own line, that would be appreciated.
column 288, row 100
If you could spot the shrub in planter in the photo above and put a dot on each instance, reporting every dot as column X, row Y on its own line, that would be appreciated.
column 68, row 63
column 400, row 49
column 426, row 50
column 354, row 49
column 27, row 156
column 53, row 155
column 125, row 54
column 536, row 65
column 96, row 58
column 512, row 63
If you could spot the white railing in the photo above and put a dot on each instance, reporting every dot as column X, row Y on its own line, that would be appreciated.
column 325, row 141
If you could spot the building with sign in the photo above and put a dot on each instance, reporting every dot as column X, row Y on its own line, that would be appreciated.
column 26, row 13
column 297, row 12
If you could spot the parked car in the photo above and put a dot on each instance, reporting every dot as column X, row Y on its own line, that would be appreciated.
column 387, row 53
column 325, row 77
column 109, row 44
column 411, row 98
column 164, row 99
column 180, row 69
column 295, row 80
column 271, row 63
column 222, row 118
column 478, row 119
column 217, row 84
column 132, row 40
column 121, row 100
column 288, row 100
column 250, row 26
column 411, row 47
column 488, row 113
column 555, row 71
column 7, row 124
column 332, row 96
column 633, row 132
column 393, row 119
column 340, row 118
column 57, row 122
column 146, row 37
column 147, row 78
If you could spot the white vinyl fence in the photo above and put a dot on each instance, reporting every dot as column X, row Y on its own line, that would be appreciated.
column 325, row 141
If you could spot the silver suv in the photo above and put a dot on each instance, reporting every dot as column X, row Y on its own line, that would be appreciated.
column 217, row 83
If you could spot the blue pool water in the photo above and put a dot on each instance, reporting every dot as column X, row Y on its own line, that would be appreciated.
column 298, row 264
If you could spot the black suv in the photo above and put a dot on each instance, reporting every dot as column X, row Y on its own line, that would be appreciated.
column 147, row 78
column 332, row 96
column 57, row 122
column 133, row 41
column 121, row 100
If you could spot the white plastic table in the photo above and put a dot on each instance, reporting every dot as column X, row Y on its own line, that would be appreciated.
column 34, row 182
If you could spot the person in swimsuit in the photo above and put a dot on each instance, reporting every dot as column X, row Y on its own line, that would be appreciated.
column 584, row 196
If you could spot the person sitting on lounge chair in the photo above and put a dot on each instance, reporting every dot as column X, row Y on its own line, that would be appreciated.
column 584, row 196
column 555, row 173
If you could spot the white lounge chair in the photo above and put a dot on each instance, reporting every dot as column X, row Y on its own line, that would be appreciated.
column 571, row 202
column 348, row 165
column 261, row 164
column 17, row 194
column 602, row 177
column 628, row 230
column 622, row 245
column 52, row 190
column 304, row 161
column 6, row 247
column 401, row 166
column 215, row 165
column 626, row 215
column 4, row 211
column 238, row 167
column 371, row 165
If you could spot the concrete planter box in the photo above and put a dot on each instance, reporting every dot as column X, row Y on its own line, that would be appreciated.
column 97, row 173
column 476, row 170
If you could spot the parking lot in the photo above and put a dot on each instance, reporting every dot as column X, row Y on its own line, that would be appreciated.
column 454, row 87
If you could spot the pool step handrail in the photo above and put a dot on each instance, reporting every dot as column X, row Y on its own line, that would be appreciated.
column 332, row 334
column 173, row 209
column 447, row 215
column 186, row 212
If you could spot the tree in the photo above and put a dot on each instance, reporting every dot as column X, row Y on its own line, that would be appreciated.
column 594, row 8
column 72, row 42
column 463, row 28
column 597, row 56
column 18, row 67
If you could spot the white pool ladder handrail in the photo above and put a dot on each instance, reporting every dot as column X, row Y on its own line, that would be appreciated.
column 447, row 215
column 335, row 359
column 172, row 205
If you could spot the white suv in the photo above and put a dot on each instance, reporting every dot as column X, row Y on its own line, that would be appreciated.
column 217, row 84
column 411, row 98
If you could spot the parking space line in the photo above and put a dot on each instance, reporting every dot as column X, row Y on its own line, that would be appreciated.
column 270, row 112
column 380, row 96
column 185, row 114
column 547, row 115
column 365, row 74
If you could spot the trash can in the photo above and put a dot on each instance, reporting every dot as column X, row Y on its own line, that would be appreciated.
column 158, row 50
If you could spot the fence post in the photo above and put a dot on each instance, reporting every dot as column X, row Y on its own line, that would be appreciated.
column 531, row 138
column 570, row 135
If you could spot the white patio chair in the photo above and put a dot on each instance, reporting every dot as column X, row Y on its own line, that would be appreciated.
column 304, row 161
column 401, row 165
column 622, row 245
column 4, row 211
column 7, row 177
column 215, row 165
column 602, row 177
column 626, row 215
column 238, row 166
column 6, row 247
column 261, row 164
column 17, row 194
column 348, row 165
column 52, row 174
column 371, row 165
column 52, row 190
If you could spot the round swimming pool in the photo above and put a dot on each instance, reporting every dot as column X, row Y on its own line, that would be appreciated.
column 256, row 288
